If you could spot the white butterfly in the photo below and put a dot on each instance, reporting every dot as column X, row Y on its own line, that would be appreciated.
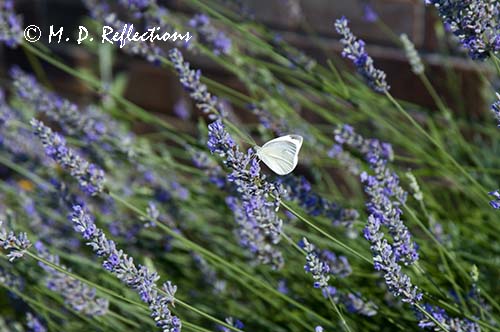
column 281, row 154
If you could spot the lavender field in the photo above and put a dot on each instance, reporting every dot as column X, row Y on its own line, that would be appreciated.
column 285, row 191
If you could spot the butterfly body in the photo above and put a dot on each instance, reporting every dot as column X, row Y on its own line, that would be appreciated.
column 281, row 154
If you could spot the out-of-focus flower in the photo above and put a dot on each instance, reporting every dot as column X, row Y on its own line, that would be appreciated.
column 10, row 24
column 369, row 13
column 34, row 324
column 181, row 109
column 233, row 322
column 411, row 53
column 76, row 294
column 338, row 265
column 217, row 40
column 451, row 324
column 57, row 109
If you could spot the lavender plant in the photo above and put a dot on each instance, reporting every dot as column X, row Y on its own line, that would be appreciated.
column 192, row 203
column 259, row 227
column 15, row 245
column 138, row 277
column 89, row 176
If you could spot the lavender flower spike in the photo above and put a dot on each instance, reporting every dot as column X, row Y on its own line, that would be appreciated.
column 190, row 80
column 88, row 175
column 10, row 25
column 314, row 265
column 216, row 39
column 354, row 49
column 137, row 277
column 16, row 245
column 385, row 197
column 259, row 226
column 451, row 324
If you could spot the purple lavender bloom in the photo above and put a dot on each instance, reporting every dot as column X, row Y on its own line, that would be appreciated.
column 233, row 322
column 219, row 140
column 259, row 226
column 329, row 291
column 181, row 109
column 369, row 14
column 451, row 324
column 34, row 324
column 214, row 172
column 209, row 274
column 355, row 304
column 354, row 49
column 11, row 32
column 10, row 280
column 386, row 196
column 137, row 277
column 319, row 329
column 476, row 23
column 16, row 245
column 338, row 265
column 76, row 294
column 57, row 109
column 17, row 140
column 190, row 80
column 100, row 11
column 315, row 265
column 217, row 40
column 136, row 4
column 282, row 287
column 6, row 112
column 89, row 176
column 153, row 215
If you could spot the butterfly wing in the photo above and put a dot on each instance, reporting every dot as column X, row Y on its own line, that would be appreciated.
column 281, row 154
